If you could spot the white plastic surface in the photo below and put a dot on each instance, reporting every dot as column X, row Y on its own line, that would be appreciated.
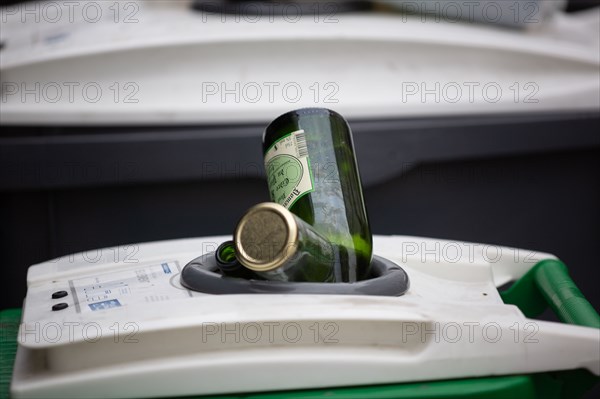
column 167, row 341
column 160, row 62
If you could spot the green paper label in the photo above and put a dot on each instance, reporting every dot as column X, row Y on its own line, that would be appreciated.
column 288, row 169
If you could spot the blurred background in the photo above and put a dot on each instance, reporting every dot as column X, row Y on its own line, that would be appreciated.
column 135, row 121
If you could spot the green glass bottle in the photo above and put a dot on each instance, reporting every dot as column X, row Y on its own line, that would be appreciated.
column 312, row 171
column 228, row 263
column 278, row 245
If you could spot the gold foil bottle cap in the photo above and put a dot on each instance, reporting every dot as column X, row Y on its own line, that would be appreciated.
column 266, row 237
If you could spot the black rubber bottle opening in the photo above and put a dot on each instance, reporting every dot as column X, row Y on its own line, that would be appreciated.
column 202, row 275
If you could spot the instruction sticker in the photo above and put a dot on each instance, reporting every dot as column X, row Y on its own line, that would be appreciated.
column 139, row 284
